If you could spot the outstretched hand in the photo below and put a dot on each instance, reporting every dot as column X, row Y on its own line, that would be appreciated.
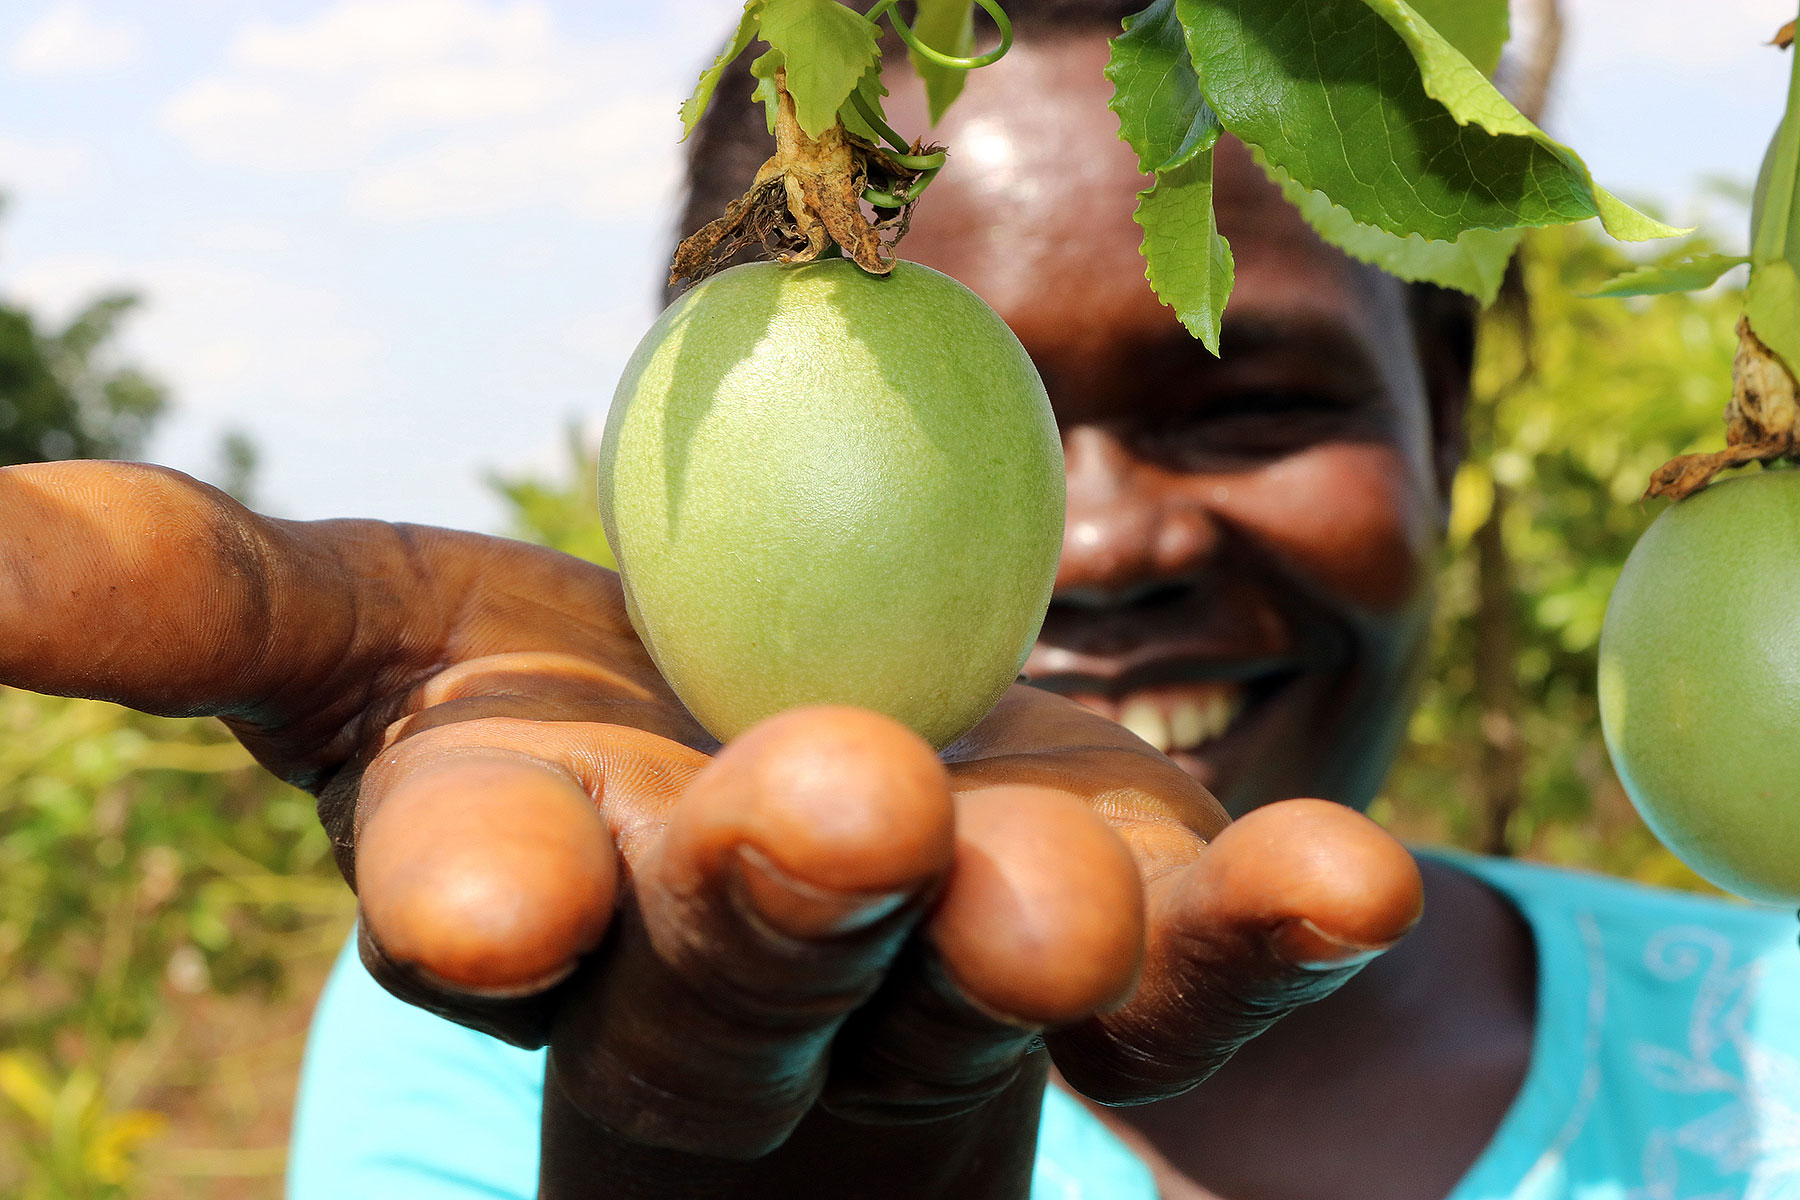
column 820, row 960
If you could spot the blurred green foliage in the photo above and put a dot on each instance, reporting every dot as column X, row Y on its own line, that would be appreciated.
column 561, row 512
column 1576, row 402
column 63, row 394
column 144, row 864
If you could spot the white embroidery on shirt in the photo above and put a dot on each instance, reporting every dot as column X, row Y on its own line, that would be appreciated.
column 1754, row 1131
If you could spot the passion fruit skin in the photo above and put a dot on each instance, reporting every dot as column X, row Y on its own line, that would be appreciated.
column 1700, row 683
column 829, row 487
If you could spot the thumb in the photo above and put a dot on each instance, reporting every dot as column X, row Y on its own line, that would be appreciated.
column 1280, row 910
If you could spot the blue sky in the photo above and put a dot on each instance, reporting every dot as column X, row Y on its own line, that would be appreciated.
column 402, row 243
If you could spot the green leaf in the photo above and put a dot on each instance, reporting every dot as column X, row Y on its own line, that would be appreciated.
column 1155, row 92
column 1689, row 275
column 1474, row 263
column 1760, row 192
column 1172, row 131
column 1189, row 264
column 763, row 71
column 694, row 107
column 1478, row 28
column 947, row 26
column 1361, row 100
column 1772, row 301
column 1772, row 304
column 827, row 47
column 871, row 89
column 1466, row 94
column 1774, row 213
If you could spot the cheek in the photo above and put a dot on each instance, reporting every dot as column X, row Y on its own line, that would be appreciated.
column 1355, row 519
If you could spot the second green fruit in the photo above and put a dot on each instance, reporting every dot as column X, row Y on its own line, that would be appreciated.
column 1700, row 682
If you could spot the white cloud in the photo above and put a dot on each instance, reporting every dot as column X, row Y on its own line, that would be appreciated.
column 241, row 237
column 444, row 108
column 228, row 340
column 44, row 168
column 70, row 40
column 610, row 165
column 381, row 34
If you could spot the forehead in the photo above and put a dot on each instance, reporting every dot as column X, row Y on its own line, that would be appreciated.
column 1035, row 208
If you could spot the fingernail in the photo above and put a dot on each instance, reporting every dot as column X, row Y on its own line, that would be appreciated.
column 800, row 909
column 1305, row 945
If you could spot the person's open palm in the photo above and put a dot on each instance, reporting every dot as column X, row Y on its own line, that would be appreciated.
column 798, row 965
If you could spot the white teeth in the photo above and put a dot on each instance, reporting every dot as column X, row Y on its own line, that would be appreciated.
column 1184, row 721
column 1220, row 712
column 1190, row 724
column 1146, row 719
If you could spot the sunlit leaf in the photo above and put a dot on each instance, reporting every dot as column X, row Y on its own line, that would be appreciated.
column 947, row 26
column 1474, row 263
column 1362, row 100
column 1187, row 262
column 827, row 46
column 763, row 71
column 1478, row 28
column 1772, row 305
column 1155, row 92
column 1689, row 275
column 1172, row 131
column 871, row 90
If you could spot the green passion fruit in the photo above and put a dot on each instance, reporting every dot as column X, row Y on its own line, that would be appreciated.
column 824, row 486
column 1700, row 682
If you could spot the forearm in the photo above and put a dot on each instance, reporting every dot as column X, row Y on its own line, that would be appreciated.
column 983, row 1155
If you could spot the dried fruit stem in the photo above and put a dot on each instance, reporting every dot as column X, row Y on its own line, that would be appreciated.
column 805, row 198
column 1760, row 421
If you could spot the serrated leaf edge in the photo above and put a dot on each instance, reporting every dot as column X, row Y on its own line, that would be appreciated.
column 694, row 107
column 1471, row 99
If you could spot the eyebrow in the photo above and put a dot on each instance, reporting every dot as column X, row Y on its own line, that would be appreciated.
column 1324, row 341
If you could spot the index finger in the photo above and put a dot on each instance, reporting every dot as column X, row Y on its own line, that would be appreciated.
column 139, row 585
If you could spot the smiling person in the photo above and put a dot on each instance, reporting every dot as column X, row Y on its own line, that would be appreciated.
column 823, row 962
column 1244, row 585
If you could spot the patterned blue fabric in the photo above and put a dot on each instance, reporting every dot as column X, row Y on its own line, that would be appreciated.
column 395, row 1102
column 1666, row 1067
column 1667, row 1055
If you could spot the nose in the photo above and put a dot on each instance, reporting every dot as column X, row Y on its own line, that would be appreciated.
column 1132, row 528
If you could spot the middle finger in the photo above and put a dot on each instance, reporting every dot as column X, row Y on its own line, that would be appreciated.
column 770, row 909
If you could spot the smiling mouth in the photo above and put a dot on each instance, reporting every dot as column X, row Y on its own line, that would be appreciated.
column 1178, row 718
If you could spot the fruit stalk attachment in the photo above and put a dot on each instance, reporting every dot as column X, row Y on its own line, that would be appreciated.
column 810, row 195
column 1761, row 417
column 1760, row 421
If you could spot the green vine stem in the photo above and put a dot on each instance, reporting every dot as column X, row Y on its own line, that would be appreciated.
column 889, row 9
column 901, row 150
column 810, row 195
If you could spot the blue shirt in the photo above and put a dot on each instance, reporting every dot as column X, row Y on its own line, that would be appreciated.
column 1665, row 1066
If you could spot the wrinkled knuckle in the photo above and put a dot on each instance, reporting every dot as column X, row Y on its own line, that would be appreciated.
column 684, row 1108
column 759, row 978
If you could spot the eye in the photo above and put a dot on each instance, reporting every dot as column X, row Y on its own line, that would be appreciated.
column 1229, row 427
